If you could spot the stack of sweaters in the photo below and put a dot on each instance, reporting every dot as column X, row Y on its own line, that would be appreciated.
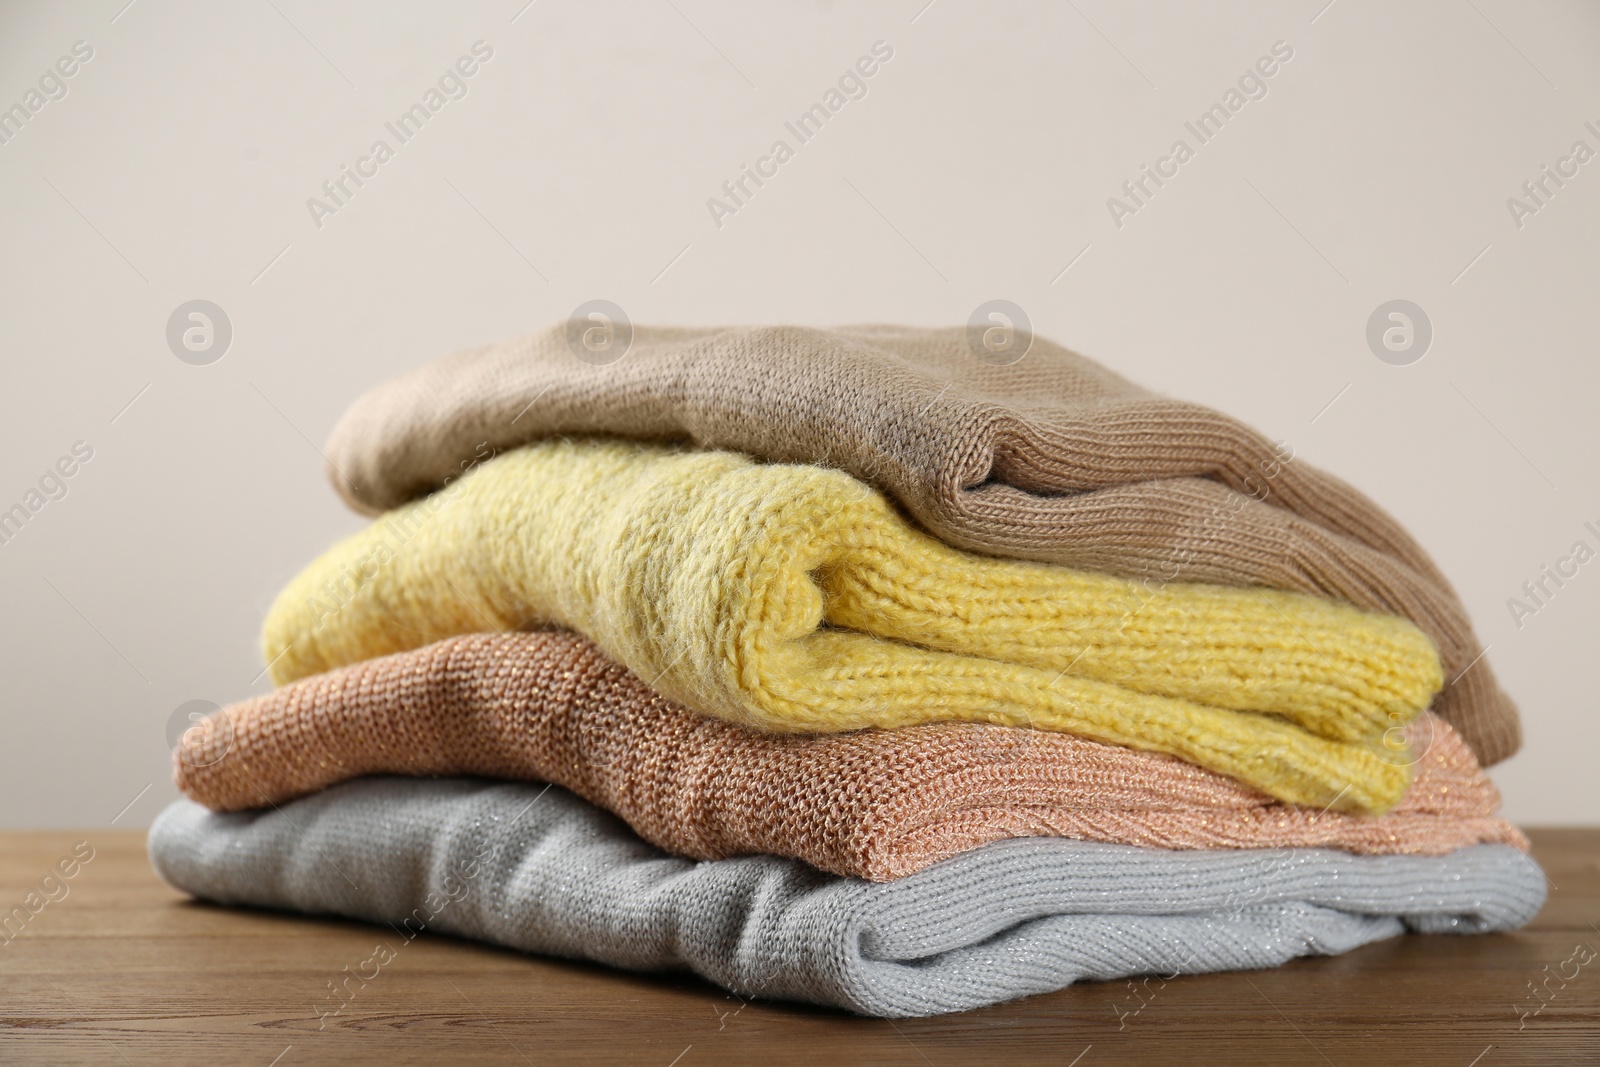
column 846, row 667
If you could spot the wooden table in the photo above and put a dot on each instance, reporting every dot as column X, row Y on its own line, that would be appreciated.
column 123, row 969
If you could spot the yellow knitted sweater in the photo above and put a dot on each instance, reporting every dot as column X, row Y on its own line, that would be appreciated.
column 795, row 598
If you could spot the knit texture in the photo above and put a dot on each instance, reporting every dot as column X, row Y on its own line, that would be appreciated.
column 546, row 872
column 795, row 598
column 1054, row 458
column 872, row 804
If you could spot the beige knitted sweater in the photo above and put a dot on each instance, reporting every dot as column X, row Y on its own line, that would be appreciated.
column 1054, row 458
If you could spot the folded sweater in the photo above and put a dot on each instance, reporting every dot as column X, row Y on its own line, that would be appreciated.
column 874, row 804
column 796, row 598
column 1054, row 458
column 537, row 869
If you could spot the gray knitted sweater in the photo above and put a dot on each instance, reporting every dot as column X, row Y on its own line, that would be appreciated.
column 538, row 869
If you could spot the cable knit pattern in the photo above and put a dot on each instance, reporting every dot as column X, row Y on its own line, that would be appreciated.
column 795, row 598
column 537, row 869
column 1053, row 458
column 873, row 804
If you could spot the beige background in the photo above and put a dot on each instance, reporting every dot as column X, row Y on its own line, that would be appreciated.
column 578, row 166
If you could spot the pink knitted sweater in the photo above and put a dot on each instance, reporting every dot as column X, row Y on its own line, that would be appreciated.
column 875, row 804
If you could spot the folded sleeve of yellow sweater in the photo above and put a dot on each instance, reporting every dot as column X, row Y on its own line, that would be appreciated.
column 795, row 598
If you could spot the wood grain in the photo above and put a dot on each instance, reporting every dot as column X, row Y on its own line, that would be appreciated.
column 125, row 970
